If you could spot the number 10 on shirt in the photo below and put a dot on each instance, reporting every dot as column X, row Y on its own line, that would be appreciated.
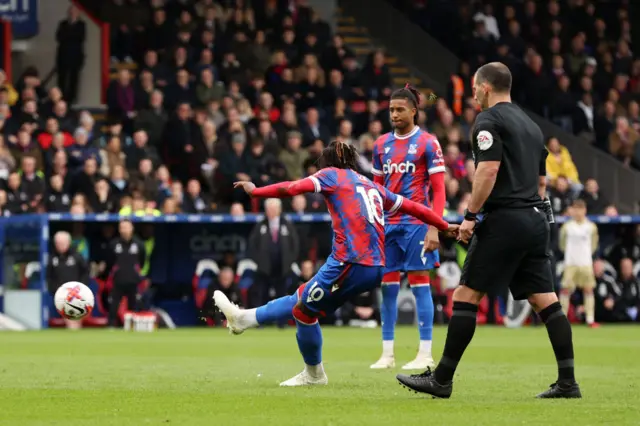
column 371, row 198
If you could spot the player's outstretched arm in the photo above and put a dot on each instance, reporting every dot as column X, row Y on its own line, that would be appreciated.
column 428, row 216
column 278, row 190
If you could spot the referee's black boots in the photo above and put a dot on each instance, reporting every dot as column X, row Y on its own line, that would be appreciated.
column 562, row 389
column 425, row 383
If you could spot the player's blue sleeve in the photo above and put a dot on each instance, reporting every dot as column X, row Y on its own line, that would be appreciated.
column 434, row 158
column 391, row 201
column 376, row 162
column 325, row 180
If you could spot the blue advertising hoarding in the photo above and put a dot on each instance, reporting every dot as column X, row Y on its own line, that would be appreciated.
column 23, row 15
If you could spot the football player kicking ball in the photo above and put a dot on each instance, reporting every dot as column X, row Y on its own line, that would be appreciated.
column 409, row 162
column 356, row 262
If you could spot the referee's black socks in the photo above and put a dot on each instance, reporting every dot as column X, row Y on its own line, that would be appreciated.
column 462, row 326
column 559, row 331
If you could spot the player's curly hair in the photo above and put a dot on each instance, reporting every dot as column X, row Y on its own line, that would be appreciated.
column 340, row 155
column 411, row 94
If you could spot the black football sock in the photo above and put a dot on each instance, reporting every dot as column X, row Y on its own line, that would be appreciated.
column 460, row 332
column 559, row 331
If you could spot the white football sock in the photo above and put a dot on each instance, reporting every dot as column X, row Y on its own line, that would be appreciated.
column 249, row 318
column 315, row 370
column 424, row 348
column 387, row 348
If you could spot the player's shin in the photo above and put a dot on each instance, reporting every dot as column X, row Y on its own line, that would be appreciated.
column 561, row 338
column 309, row 337
column 565, row 300
column 389, row 310
column 462, row 327
column 276, row 310
column 421, row 289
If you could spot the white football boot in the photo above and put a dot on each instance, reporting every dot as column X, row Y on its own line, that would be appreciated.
column 238, row 320
column 385, row 361
column 422, row 362
column 310, row 376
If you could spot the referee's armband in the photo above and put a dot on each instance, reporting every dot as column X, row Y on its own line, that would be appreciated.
column 548, row 211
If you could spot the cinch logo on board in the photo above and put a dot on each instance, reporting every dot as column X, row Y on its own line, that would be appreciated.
column 406, row 167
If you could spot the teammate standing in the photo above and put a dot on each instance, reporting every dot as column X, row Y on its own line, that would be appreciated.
column 579, row 241
column 356, row 262
column 408, row 161
column 510, row 246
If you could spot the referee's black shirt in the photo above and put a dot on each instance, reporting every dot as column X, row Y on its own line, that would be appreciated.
column 505, row 133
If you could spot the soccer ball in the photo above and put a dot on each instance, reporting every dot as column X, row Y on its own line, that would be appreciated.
column 74, row 300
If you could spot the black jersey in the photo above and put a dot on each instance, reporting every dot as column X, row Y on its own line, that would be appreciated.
column 505, row 133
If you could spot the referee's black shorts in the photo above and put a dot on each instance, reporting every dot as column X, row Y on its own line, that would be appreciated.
column 509, row 248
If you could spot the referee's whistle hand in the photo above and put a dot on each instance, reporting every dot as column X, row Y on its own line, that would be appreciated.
column 466, row 230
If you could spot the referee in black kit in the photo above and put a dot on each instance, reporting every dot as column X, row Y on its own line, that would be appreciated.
column 509, row 247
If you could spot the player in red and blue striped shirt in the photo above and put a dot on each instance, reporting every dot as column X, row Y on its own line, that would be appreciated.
column 409, row 162
column 355, row 265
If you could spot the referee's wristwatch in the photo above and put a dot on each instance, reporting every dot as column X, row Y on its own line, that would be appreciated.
column 470, row 216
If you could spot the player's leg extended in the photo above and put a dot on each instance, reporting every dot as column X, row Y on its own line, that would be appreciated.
column 238, row 320
column 313, row 299
column 388, row 315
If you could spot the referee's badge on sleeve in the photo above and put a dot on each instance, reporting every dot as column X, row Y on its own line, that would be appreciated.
column 485, row 140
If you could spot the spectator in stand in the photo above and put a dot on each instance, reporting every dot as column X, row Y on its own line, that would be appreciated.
column 153, row 119
column 81, row 151
column 11, row 93
column 560, row 195
column 596, row 202
column 17, row 199
column 294, row 156
column 559, row 163
column 103, row 200
column 7, row 162
column 623, row 141
column 121, row 99
column 140, row 149
column 112, row 156
column 313, row 129
column 628, row 282
column 32, row 182
column 56, row 199
column 455, row 162
column 194, row 201
column 52, row 128
column 27, row 148
column 118, row 181
column 70, row 36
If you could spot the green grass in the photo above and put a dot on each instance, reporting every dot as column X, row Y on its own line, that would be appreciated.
column 207, row 377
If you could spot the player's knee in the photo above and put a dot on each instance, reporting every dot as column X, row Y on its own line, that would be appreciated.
column 419, row 278
column 467, row 295
column 304, row 315
column 541, row 300
column 391, row 278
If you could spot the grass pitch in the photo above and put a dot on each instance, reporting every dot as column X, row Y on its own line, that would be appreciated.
column 207, row 377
